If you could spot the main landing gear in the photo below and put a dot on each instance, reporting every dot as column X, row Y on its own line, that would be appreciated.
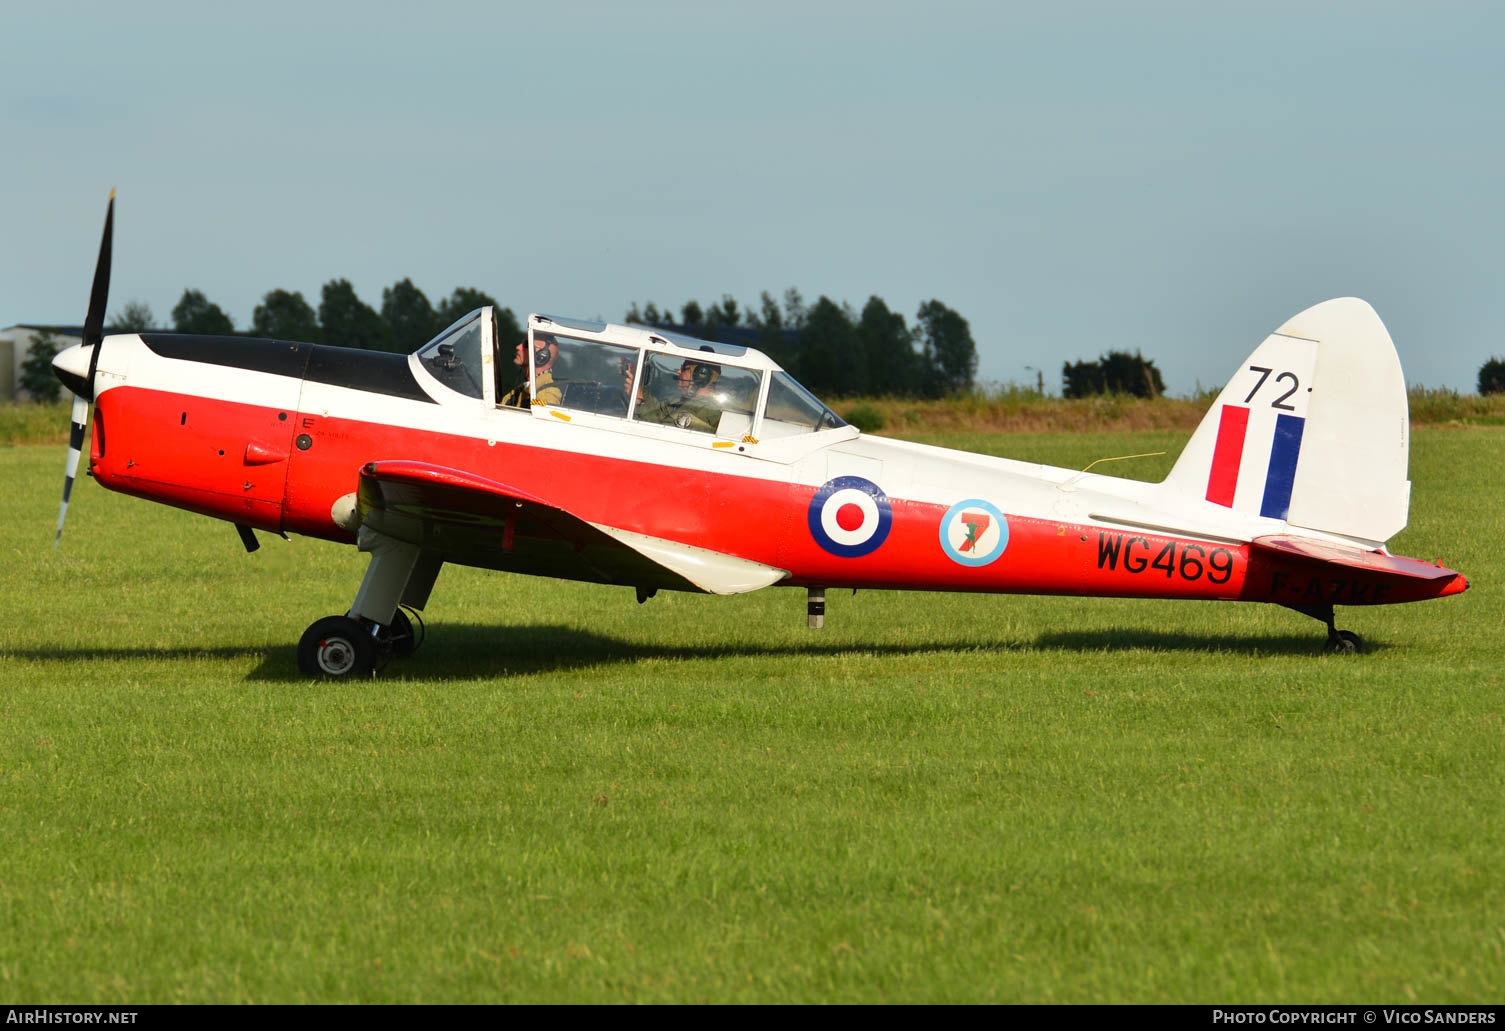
column 343, row 646
column 1339, row 642
column 376, row 630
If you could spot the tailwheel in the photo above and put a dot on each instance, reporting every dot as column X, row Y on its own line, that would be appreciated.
column 1344, row 642
column 338, row 646
column 1339, row 642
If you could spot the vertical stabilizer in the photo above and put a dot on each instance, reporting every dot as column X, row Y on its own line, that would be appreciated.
column 1313, row 429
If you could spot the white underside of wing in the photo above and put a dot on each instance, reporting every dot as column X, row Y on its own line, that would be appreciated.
column 711, row 571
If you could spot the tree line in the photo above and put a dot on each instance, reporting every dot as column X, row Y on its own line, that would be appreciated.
column 832, row 349
column 406, row 321
column 835, row 350
column 1117, row 372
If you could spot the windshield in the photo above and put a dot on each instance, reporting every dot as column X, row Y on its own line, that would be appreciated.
column 454, row 356
column 793, row 409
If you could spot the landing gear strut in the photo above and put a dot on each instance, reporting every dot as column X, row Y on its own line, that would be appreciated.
column 1340, row 642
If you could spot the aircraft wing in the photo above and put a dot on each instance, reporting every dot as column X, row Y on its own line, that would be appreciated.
column 472, row 520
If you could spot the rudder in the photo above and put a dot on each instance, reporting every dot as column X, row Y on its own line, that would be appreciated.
column 1313, row 429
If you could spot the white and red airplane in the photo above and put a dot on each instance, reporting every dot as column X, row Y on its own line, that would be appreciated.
column 656, row 462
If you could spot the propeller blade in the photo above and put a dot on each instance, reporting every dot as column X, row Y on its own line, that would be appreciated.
column 99, row 296
column 70, row 473
column 94, row 334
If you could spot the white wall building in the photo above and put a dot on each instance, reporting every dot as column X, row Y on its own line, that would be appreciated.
column 15, row 345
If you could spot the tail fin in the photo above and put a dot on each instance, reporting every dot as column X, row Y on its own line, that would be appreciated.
column 1313, row 428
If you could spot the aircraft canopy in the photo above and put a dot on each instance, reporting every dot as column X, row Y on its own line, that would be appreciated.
column 643, row 376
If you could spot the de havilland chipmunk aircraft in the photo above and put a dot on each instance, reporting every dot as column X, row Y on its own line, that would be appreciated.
column 637, row 457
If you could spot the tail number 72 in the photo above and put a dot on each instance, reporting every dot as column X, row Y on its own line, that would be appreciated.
column 1279, row 402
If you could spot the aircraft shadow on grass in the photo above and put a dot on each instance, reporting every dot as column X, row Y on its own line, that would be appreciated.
column 471, row 651
column 479, row 652
column 118, row 653
column 1247, row 645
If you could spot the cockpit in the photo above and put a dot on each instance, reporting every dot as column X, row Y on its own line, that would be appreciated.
column 607, row 372
column 459, row 356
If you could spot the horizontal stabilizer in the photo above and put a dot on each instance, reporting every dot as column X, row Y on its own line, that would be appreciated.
column 1351, row 558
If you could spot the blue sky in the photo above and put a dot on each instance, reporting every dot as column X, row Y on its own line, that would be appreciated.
column 1177, row 178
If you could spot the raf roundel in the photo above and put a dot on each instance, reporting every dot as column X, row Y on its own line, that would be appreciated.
column 974, row 532
column 850, row 517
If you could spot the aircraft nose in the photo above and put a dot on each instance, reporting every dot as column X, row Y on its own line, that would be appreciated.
column 71, row 365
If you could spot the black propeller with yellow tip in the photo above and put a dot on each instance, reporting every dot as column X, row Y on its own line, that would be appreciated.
column 66, row 369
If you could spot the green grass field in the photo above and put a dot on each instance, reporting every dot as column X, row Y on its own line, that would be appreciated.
column 567, row 797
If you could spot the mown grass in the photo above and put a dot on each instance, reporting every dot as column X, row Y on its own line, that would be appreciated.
column 28, row 423
column 565, row 796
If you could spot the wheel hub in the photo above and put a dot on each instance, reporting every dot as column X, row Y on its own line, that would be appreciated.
column 336, row 656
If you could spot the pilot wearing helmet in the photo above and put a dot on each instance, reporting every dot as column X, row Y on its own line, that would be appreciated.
column 545, row 351
column 695, row 407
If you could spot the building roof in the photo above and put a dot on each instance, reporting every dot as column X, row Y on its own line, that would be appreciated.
column 66, row 331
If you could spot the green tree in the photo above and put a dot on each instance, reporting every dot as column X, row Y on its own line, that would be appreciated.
column 727, row 313
column 650, row 315
column 773, row 339
column 508, row 329
column 36, row 370
column 949, row 352
column 409, row 316
column 467, row 299
column 347, row 321
column 286, row 316
column 134, row 317
column 794, row 309
column 195, row 313
column 1492, row 377
column 692, row 315
column 831, row 358
column 894, row 369
column 463, row 301
column 1117, row 372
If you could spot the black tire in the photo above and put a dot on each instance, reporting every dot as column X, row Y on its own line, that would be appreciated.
column 1344, row 642
column 337, row 646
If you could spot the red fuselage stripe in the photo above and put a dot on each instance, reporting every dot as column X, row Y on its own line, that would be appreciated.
column 1222, row 481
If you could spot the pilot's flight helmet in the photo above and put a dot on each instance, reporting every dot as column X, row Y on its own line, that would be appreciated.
column 545, row 351
column 701, row 374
